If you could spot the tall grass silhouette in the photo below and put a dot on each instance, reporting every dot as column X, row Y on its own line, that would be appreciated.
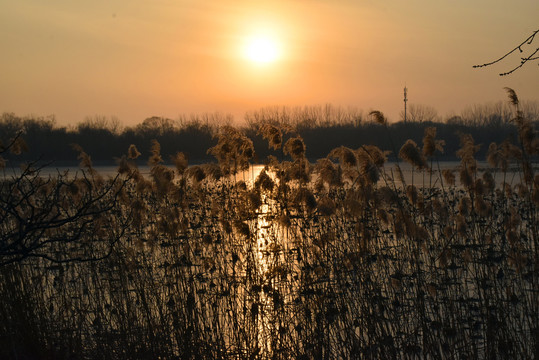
column 338, row 259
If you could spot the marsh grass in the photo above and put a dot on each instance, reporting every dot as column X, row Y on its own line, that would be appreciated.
column 342, row 259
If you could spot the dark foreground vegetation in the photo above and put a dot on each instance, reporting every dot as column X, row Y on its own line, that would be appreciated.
column 340, row 259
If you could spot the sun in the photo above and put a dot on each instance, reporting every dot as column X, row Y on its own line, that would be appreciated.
column 261, row 49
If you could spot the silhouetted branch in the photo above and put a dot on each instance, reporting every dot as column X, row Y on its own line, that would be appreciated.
column 523, row 60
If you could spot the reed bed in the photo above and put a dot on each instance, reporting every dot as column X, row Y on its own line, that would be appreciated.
column 340, row 259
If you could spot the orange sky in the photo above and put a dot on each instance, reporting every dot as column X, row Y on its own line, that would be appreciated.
column 134, row 59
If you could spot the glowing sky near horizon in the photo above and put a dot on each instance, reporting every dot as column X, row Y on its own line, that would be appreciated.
column 135, row 59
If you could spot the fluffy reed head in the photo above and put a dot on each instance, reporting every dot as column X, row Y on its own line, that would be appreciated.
column 195, row 173
column 430, row 144
column 328, row 172
column 378, row 117
column 346, row 156
column 413, row 195
column 326, row 206
column 264, row 182
column 272, row 134
column 155, row 150
column 132, row 152
column 410, row 153
column 513, row 98
column 180, row 161
column 370, row 160
column 488, row 181
column 449, row 176
column 493, row 155
column 295, row 147
column 467, row 152
column 162, row 177
column 466, row 178
column 124, row 167
column 305, row 197
column 18, row 146
column 85, row 159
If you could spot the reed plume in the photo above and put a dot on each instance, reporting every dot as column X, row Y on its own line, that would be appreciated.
column 448, row 176
column 467, row 152
column 378, row 117
column 430, row 144
column 155, row 157
column 346, row 156
column 370, row 161
column 328, row 172
column 212, row 171
column 180, row 161
column 488, row 181
column 410, row 153
column 272, row 134
column 132, row 152
column 195, row 173
column 18, row 146
column 295, row 147
column 326, row 206
column 264, row 182
column 84, row 158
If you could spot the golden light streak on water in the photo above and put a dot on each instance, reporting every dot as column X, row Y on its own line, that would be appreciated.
column 263, row 226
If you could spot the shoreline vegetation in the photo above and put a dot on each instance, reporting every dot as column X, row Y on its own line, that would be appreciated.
column 338, row 257
column 322, row 128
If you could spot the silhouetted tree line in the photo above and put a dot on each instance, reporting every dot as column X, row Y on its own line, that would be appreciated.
column 322, row 128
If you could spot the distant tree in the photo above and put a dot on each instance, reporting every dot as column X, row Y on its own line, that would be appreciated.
column 532, row 56
column 100, row 123
column 155, row 126
column 307, row 117
column 420, row 113
column 490, row 114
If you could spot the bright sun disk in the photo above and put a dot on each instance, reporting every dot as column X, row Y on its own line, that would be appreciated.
column 261, row 50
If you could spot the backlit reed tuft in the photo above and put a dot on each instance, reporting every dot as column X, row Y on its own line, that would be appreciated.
column 212, row 171
column 155, row 157
column 264, row 182
column 328, row 172
column 132, row 152
column 466, row 178
column 370, row 161
column 448, row 176
column 84, row 158
column 326, row 206
column 467, row 152
column 513, row 98
column 430, row 144
column 295, row 147
column 410, row 153
column 306, row 198
column 413, row 195
column 272, row 134
column 18, row 146
column 378, row 117
column 488, row 180
column 346, row 156
column 162, row 177
column 195, row 173
column 123, row 166
column 180, row 161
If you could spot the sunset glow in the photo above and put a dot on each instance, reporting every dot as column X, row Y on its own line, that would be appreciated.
column 135, row 59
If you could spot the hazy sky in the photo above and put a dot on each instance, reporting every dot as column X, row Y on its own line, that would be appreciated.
column 134, row 59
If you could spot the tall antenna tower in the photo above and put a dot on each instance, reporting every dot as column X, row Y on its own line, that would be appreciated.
column 405, row 101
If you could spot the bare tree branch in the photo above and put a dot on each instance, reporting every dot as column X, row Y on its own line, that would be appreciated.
column 523, row 60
